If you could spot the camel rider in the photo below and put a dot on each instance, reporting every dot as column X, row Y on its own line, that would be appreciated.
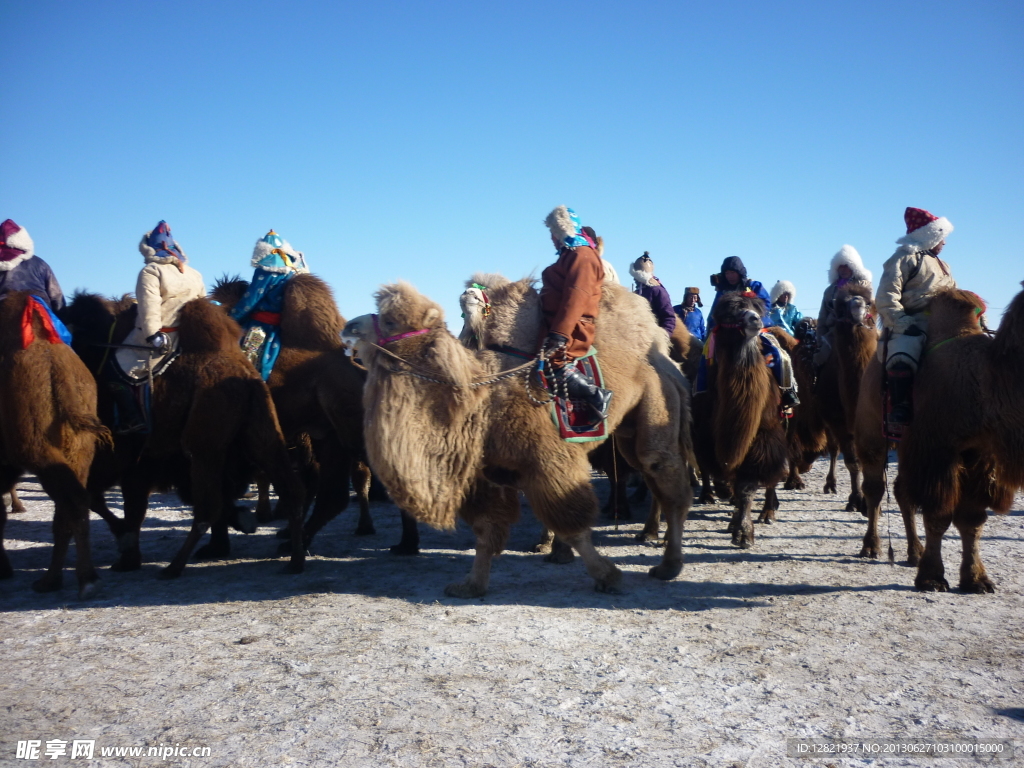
column 259, row 309
column 692, row 317
column 846, row 269
column 784, row 312
column 910, row 278
column 570, row 299
column 22, row 270
column 733, row 277
column 651, row 288
column 164, row 286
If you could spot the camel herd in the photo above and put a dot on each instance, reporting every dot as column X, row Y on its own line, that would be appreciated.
column 455, row 428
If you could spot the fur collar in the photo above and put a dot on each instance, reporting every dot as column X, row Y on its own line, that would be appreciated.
column 781, row 287
column 848, row 255
column 7, row 266
column 643, row 278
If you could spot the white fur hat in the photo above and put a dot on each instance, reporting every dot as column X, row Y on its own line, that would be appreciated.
column 15, row 236
column 848, row 256
column 781, row 287
column 924, row 230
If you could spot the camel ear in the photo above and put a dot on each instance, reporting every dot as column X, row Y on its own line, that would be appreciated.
column 432, row 316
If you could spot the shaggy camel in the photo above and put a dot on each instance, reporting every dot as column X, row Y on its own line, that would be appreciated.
column 738, row 435
column 48, row 425
column 806, row 436
column 212, row 421
column 318, row 392
column 956, row 462
column 440, row 418
column 508, row 321
column 854, row 342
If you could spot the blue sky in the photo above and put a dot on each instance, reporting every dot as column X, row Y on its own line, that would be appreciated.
column 425, row 141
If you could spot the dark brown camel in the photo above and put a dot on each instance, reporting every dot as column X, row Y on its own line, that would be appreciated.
column 48, row 425
column 738, row 435
column 955, row 462
column 318, row 392
column 212, row 422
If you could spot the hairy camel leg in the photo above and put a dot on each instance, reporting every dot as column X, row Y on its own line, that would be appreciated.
column 770, row 507
column 742, row 520
column 794, row 482
column 561, row 553
column 969, row 518
column 545, row 542
column 652, row 525
column 873, row 487
column 135, row 494
column 830, row 479
column 16, row 505
column 207, row 475
column 361, row 478
column 855, row 502
column 674, row 495
column 907, row 510
column 8, row 476
column 70, row 519
column 492, row 510
column 931, row 574
column 219, row 545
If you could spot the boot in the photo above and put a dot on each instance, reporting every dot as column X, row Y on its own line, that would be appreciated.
column 580, row 387
column 789, row 397
column 901, row 385
column 129, row 417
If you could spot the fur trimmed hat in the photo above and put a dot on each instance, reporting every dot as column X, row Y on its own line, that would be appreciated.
column 781, row 287
column 693, row 291
column 158, row 247
column 275, row 254
column 15, row 246
column 642, row 270
column 848, row 256
column 564, row 225
column 924, row 230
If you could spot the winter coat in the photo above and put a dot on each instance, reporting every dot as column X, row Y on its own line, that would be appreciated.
column 786, row 317
column 35, row 276
column 693, row 319
column 910, row 278
column 657, row 296
column 161, row 291
column 570, row 297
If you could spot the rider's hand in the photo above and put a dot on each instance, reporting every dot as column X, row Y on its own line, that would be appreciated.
column 158, row 340
column 554, row 345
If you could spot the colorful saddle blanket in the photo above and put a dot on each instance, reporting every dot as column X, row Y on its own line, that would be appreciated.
column 575, row 419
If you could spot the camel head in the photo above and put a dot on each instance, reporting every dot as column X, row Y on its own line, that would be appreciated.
column 739, row 313
column 476, row 307
column 401, row 310
column 805, row 328
column 853, row 304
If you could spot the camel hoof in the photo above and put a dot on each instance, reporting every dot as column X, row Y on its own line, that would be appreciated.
column 294, row 567
column 48, row 583
column 245, row 521
column 766, row 520
column 560, row 556
column 646, row 536
column 868, row 552
column 211, row 552
column 931, row 585
column 168, row 573
column 128, row 561
column 609, row 585
column 705, row 498
column 89, row 589
column 830, row 488
column 913, row 559
column 542, row 549
column 405, row 550
column 465, row 590
column 666, row 570
column 365, row 529
column 980, row 586
column 127, row 542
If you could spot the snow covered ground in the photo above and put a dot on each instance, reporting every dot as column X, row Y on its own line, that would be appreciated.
column 362, row 660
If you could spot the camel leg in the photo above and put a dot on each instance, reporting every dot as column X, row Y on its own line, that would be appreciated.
column 606, row 576
column 410, row 543
column 561, row 553
column 969, row 518
column 907, row 510
column 830, row 479
column 742, row 520
column 490, row 510
column 16, row 505
column 219, row 546
column 931, row 574
column 546, row 541
column 135, row 494
column 652, row 526
column 794, row 482
column 707, row 496
column 361, row 485
column 70, row 519
column 207, row 473
column 674, row 495
column 264, row 509
column 8, row 476
column 771, row 506
column 856, row 502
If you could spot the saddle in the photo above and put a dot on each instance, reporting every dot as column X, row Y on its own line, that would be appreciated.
column 575, row 419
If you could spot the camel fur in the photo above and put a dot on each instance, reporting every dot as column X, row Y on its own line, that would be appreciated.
column 48, row 425
column 806, row 435
column 317, row 392
column 738, row 436
column 956, row 462
column 212, row 422
column 434, row 438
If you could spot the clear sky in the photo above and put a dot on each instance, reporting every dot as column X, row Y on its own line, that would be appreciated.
column 427, row 140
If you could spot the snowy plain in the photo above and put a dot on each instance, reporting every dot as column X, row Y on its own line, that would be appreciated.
column 363, row 661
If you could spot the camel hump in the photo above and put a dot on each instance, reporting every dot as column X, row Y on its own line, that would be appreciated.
column 954, row 312
column 310, row 319
column 205, row 328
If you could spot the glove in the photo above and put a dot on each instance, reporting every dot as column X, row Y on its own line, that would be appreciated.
column 554, row 345
column 158, row 340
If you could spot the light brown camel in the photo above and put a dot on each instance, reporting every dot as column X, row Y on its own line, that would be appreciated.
column 738, row 435
column 854, row 342
column 48, row 425
column 440, row 417
column 317, row 392
column 955, row 462
column 507, row 319
column 213, row 424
